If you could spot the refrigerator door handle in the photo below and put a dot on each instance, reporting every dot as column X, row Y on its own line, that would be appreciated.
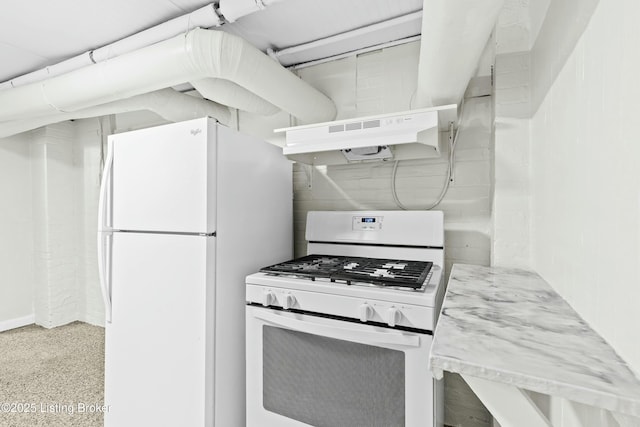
column 104, row 233
column 104, row 208
column 104, row 270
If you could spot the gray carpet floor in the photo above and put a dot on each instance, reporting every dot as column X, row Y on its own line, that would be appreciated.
column 52, row 377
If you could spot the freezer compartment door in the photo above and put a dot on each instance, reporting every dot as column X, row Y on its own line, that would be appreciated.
column 164, row 178
column 159, row 344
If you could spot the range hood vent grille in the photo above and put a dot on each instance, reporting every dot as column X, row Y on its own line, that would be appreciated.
column 407, row 135
column 368, row 124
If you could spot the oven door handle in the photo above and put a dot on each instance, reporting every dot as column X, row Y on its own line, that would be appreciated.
column 348, row 334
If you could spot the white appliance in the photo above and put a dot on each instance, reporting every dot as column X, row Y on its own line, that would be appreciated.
column 187, row 210
column 398, row 136
column 341, row 337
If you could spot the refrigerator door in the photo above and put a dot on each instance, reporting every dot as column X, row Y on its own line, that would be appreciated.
column 159, row 343
column 164, row 178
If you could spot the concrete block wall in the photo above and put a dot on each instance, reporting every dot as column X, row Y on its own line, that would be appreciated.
column 418, row 182
column 56, row 235
column 568, row 167
column 385, row 81
column 48, row 265
column 586, row 181
column 512, row 98
column 88, row 140
column 564, row 23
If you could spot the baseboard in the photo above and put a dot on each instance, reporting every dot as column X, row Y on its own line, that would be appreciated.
column 6, row 325
column 95, row 320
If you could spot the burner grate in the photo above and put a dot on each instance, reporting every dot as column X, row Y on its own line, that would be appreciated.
column 378, row 271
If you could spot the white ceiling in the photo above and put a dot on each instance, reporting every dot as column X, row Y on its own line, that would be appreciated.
column 39, row 33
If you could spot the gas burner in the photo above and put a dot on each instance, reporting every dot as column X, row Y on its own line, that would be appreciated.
column 352, row 270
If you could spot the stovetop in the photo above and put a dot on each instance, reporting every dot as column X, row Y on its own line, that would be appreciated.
column 352, row 270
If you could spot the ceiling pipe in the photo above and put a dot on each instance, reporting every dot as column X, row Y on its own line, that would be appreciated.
column 197, row 55
column 355, row 52
column 167, row 103
column 232, row 10
column 205, row 17
column 402, row 27
column 454, row 34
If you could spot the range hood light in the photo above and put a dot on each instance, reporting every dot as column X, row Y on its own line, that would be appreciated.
column 379, row 152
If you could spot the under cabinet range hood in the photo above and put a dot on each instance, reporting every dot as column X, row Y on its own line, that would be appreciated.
column 414, row 134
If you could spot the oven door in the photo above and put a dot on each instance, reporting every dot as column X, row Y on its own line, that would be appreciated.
column 306, row 370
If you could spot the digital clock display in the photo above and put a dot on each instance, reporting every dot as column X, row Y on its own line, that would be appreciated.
column 369, row 220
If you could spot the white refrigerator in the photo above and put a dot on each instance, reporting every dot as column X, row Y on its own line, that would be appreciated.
column 187, row 210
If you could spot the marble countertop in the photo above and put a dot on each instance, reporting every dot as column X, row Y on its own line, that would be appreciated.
column 510, row 326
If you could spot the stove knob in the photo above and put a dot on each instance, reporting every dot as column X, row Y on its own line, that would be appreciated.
column 393, row 316
column 268, row 298
column 366, row 312
column 288, row 302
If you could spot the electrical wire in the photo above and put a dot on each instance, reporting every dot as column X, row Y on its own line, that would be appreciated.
column 449, row 174
column 393, row 187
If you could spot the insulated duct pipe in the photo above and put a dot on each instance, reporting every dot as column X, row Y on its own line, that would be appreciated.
column 229, row 93
column 205, row 17
column 167, row 103
column 194, row 56
column 454, row 34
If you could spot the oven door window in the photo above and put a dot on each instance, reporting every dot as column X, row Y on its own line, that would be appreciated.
column 329, row 382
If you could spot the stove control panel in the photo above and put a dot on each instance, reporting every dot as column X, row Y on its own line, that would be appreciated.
column 362, row 309
column 367, row 223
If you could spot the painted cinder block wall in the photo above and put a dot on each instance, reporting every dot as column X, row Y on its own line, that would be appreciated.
column 585, row 176
column 39, row 228
column 49, row 184
column 566, row 156
column 55, row 233
column 382, row 82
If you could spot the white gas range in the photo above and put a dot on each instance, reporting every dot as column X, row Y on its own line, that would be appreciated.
column 341, row 337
